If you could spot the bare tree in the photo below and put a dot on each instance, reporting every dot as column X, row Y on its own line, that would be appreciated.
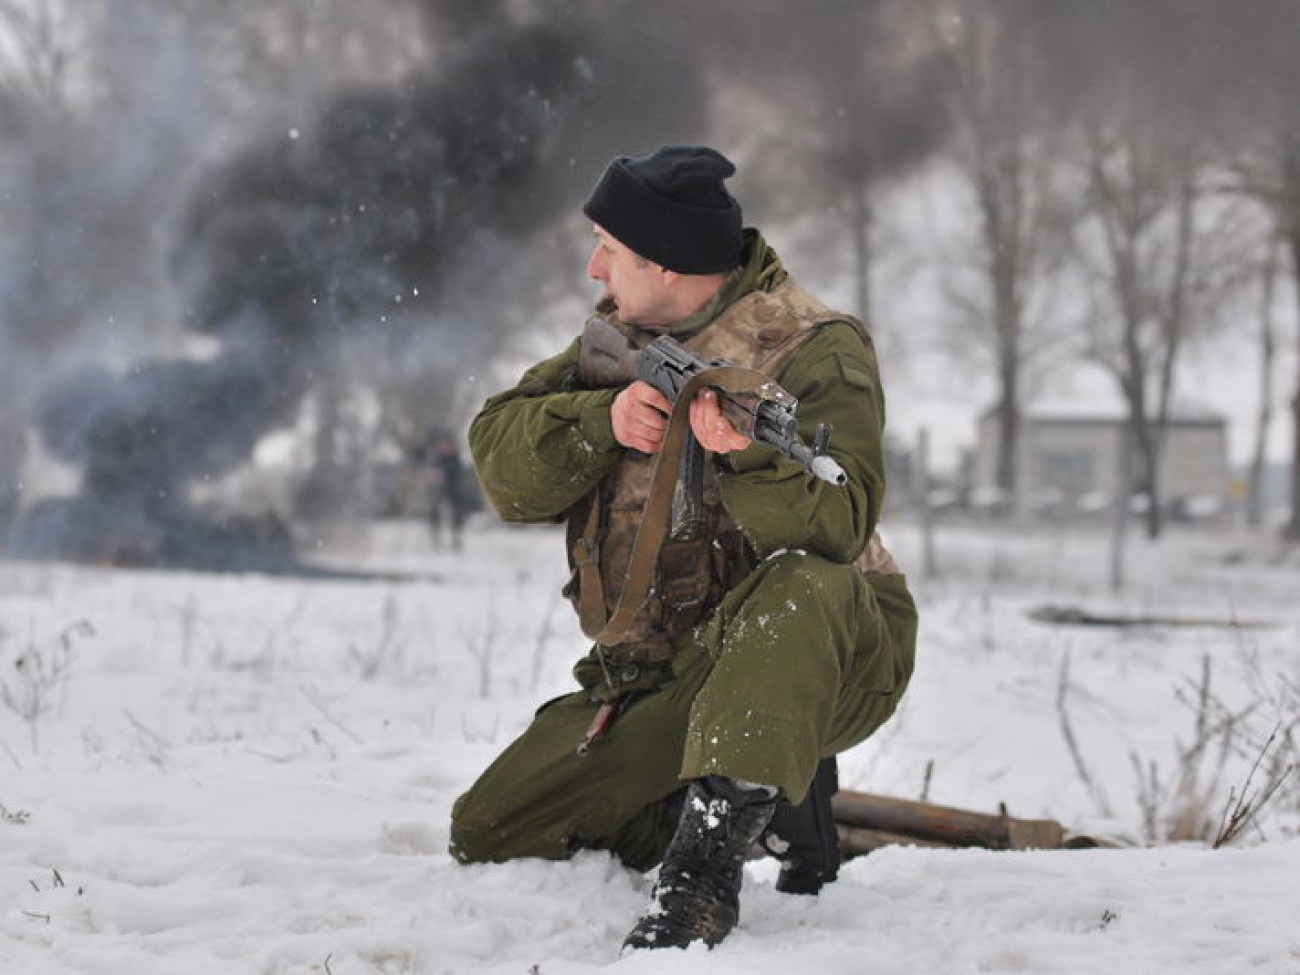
column 1263, row 130
column 1290, row 204
column 1269, row 174
column 283, row 54
column 1004, row 146
column 859, row 103
column 32, row 81
column 1267, row 124
column 1267, row 367
column 38, row 51
column 1141, row 243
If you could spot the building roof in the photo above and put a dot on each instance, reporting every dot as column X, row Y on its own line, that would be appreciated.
column 1183, row 413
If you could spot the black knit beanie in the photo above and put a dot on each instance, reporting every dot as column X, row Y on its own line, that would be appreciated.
column 672, row 208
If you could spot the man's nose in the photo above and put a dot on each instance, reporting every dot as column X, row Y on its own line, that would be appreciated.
column 595, row 266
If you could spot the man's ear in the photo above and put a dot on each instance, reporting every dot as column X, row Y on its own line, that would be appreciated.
column 668, row 278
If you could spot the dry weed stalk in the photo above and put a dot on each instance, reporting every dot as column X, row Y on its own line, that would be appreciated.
column 314, row 699
column 1098, row 794
column 544, row 634
column 1180, row 810
column 481, row 645
column 1242, row 807
column 387, row 649
column 1177, row 809
column 16, row 816
column 39, row 672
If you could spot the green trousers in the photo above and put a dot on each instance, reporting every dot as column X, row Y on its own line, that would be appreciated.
column 804, row 659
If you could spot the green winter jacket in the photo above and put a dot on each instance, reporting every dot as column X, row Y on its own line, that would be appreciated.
column 542, row 446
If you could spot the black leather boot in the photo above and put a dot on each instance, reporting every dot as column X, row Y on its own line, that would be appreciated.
column 804, row 837
column 697, row 895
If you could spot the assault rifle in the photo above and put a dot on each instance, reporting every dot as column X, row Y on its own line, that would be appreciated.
column 764, row 412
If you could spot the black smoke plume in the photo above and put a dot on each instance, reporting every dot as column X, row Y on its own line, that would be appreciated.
column 320, row 256
column 141, row 439
column 388, row 237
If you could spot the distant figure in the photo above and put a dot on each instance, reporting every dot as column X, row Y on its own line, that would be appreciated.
column 450, row 496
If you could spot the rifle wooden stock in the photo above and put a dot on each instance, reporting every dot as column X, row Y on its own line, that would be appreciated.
column 608, row 356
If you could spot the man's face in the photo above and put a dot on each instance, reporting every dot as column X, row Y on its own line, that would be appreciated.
column 640, row 288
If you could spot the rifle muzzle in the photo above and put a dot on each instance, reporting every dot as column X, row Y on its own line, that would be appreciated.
column 825, row 468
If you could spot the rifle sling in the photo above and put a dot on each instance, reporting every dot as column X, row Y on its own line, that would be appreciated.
column 640, row 577
column 591, row 586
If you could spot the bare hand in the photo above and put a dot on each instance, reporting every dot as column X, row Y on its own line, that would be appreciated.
column 713, row 430
column 640, row 417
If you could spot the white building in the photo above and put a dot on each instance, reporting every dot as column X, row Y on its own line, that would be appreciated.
column 1069, row 461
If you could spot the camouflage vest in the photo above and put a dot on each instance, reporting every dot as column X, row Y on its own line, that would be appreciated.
column 761, row 331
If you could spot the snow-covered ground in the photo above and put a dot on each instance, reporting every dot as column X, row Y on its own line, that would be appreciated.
column 230, row 775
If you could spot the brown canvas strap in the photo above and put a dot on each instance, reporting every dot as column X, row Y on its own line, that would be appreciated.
column 640, row 577
column 586, row 559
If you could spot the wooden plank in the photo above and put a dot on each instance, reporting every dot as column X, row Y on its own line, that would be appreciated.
column 944, row 825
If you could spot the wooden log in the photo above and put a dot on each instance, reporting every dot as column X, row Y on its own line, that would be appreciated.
column 944, row 825
column 856, row 841
column 1072, row 615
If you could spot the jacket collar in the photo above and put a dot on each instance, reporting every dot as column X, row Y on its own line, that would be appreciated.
column 760, row 270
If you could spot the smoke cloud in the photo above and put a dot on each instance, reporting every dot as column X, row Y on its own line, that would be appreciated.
column 384, row 234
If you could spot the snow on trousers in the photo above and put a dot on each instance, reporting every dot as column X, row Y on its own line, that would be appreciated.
column 746, row 695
